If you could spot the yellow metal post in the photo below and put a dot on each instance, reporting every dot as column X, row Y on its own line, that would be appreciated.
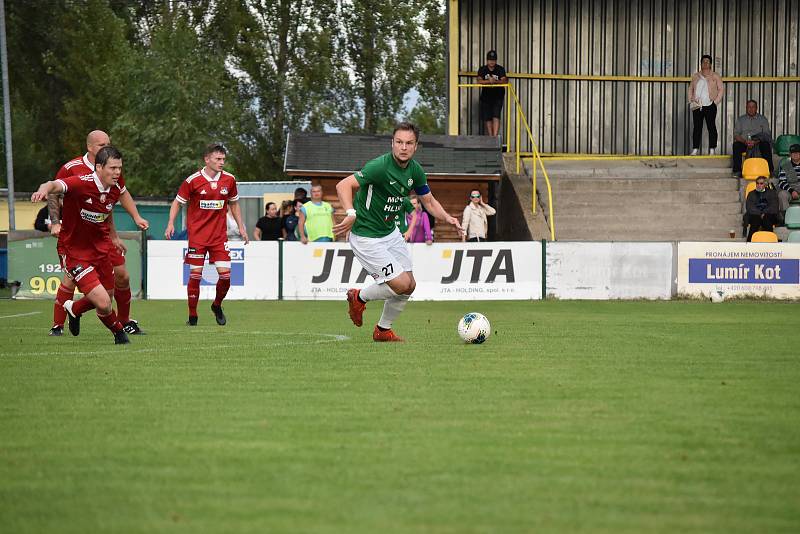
column 452, row 68
column 518, row 111
column 508, row 118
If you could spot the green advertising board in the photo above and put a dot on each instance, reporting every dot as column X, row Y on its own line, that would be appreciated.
column 33, row 262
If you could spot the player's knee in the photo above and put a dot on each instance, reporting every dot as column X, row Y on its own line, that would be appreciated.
column 121, row 279
column 410, row 287
column 103, row 305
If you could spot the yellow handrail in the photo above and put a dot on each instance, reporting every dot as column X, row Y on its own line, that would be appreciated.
column 536, row 156
column 627, row 78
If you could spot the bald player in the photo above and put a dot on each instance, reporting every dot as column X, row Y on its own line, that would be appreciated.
column 80, row 166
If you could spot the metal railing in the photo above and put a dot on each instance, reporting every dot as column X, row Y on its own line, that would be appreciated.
column 513, row 132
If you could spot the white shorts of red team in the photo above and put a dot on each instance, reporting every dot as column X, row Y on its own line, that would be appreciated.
column 384, row 258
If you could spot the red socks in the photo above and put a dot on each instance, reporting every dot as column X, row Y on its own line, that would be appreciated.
column 223, row 285
column 59, row 314
column 193, row 291
column 81, row 306
column 123, row 298
column 111, row 321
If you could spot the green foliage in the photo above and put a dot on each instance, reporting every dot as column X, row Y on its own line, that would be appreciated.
column 166, row 77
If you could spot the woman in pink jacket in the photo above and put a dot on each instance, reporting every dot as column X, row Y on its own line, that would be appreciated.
column 419, row 226
column 705, row 94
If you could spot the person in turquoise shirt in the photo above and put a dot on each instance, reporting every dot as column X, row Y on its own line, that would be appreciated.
column 316, row 218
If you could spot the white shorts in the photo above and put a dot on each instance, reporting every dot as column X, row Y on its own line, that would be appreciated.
column 384, row 258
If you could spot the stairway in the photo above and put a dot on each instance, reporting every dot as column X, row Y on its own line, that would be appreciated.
column 665, row 199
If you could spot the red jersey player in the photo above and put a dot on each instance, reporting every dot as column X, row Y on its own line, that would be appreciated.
column 87, row 236
column 207, row 194
column 83, row 165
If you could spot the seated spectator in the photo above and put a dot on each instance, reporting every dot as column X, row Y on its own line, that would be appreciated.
column 762, row 208
column 268, row 227
column 42, row 222
column 789, row 178
column 751, row 134
column 316, row 218
column 474, row 222
column 419, row 224
column 290, row 219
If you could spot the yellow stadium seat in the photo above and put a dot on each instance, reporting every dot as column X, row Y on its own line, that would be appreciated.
column 755, row 167
column 765, row 237
column 751, row 186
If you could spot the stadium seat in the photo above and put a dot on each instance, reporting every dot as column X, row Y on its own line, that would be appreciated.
column 794, row 237
column 783, row 142
column 792, row 217
column 765, row 237
column 755, row 167
column 750, row 187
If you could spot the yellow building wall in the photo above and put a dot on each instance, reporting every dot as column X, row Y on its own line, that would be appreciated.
column 24, row 211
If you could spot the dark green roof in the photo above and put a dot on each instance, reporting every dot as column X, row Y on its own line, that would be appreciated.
column 438, row 154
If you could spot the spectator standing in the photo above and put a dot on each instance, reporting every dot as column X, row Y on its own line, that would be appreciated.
column 290, row 219
column 301, row 194
column 419, row 225
column 753, row 135
column 491, row 98
column 475, row 222
column 316, row 218
column 762, row 208
column 705, row 93
column 789, row 178
column 268, row 227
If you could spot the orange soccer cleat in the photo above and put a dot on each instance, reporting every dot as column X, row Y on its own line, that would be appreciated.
column 355, row 307
column 385, row 335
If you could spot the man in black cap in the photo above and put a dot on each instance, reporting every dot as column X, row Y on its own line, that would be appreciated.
column 789, row 178
column 491, row 100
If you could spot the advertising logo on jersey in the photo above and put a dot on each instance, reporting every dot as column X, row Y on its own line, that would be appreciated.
column 210, row 275
column 212, row 204
column 93, row 216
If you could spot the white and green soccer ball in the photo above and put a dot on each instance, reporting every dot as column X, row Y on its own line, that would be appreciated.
column 474, row 327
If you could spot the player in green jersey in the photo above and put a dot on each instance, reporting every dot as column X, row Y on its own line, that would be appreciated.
column 380, row 188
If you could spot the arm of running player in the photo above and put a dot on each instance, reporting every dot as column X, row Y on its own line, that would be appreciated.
column 115, row 239
column 173, row 212
column 434, row 208
column 344, row 190
column 45, row 189
column 54, row 209
column 236, row 211
column 126, row 200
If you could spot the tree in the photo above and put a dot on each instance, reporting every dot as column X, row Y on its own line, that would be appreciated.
column 380, row 41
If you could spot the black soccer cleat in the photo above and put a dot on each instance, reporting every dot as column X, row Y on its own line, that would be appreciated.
column 74, row 320
column 56, row 331
column 132, row 328
column 218, row 315
column 192, row 321
column 121, row 338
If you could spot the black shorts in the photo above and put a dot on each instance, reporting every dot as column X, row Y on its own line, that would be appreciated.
column 491, row 109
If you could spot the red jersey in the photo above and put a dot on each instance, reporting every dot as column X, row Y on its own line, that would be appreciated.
column 80, row 166
column 207, row 198
column 85, row 231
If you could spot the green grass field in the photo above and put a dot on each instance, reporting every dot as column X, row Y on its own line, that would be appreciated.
column 574, row 416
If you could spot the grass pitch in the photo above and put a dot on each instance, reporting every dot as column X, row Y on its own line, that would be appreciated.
column 574, row 416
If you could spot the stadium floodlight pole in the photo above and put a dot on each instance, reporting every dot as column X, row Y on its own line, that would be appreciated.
column 7, row 117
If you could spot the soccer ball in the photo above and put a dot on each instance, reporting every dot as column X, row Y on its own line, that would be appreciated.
column 717, row 296
column 474, row 328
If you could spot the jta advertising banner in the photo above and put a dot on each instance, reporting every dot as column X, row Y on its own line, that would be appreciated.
column 739, row 269
column 443, row 271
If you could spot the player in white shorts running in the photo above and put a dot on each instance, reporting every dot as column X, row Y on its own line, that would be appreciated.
column 382, row 185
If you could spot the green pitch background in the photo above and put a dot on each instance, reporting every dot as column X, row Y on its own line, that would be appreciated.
column 574, row 416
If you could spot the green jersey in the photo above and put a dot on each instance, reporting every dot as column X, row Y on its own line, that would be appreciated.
column 383, row 185
column 400, row 219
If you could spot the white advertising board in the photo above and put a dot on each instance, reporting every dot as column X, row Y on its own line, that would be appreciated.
column 609, row 270
column 254, row 271
column 739, row 269
column 446, row 271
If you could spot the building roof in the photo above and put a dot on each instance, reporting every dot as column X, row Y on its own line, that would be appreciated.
column 332, row 153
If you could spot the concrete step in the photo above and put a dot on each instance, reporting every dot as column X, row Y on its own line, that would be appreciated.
column 694, row 163
column 632, row 184
column 680, row 198
column 656, row 212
